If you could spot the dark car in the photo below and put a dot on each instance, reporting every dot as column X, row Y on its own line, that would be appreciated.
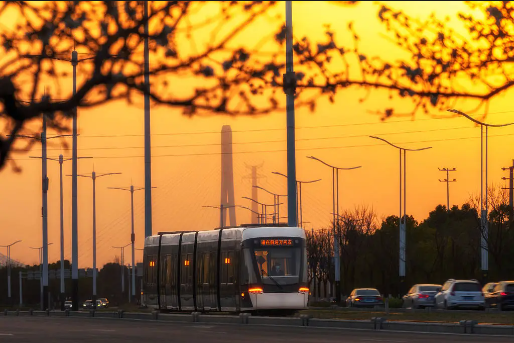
column 88, row 305
column 502, row 296
column 488, row 290
column 105, row 302
column 421, row 296
column 364, row 297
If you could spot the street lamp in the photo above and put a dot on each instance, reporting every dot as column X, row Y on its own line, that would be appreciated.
column 94, row 177
column 9, row 268
column 276, row 200
column 335, row 210
column 222, row 209
column 483, row 195
column 132, row 236
column 249, row 209
column 299, row 211
column 122, row 265
column 60, row 160
column 42, row 297
column 264, row 209
column 403, row 220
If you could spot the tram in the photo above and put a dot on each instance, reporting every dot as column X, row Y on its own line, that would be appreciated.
column 235, row 269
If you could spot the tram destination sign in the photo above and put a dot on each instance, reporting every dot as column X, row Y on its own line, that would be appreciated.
column 277, row 242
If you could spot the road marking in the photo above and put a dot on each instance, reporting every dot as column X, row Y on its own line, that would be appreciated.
column 105, row 330
column 6, row 334
column 380, row 340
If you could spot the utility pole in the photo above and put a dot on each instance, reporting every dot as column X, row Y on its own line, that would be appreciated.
column 131, row 189
column 254, row 212
column 289, row 85
column 94, row 177
column 403, row 203
column 447, row 180
column 74, row 199
column 510, row 188
column 335, row 211
column 264, row 209
column 9, row 300
column 148, row 150
column 122, row 266
column 21, row 289
column 484, row 204
column 45, row 216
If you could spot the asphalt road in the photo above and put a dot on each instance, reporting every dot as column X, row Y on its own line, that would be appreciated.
column 33, row 329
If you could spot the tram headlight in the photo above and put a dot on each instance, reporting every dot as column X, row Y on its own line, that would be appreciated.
column 303, row 290
column 255, row 290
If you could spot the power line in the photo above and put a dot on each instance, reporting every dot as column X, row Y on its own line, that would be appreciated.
column 270, row 141
column 284, row 150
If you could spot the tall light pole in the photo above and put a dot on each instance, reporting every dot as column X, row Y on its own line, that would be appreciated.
column 289, row 80
column 447, row 180
column 148, row 151
column 299, row 211
column 9, row 269
column 93, row 176
column 40, row 249
column 122, row 265
column 403, row 219
column 335, row 211
column 484, row 206
column 131, row 189
column 61, row 160
column 276, row 201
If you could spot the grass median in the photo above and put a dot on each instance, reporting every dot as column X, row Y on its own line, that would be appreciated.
column 501, row 318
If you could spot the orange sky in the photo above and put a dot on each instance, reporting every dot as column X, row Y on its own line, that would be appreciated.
column 189, row 177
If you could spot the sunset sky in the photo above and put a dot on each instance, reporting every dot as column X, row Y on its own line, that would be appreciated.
column 186, row 160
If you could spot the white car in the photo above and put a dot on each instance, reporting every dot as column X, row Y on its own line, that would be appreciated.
column 460, row 293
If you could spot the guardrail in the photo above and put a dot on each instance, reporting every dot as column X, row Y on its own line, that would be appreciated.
column 376, row 323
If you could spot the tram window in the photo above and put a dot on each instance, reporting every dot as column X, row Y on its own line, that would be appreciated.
column 184, row 269
column 230, row 266
column 212, row 267
column 278, row 262
column 152, row 272
column 189, row 266
column 206, row 266
column 169, row 266
column 163, row 272
column 224, row 267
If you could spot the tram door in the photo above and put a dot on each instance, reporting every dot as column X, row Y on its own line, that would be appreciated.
column 228, row 281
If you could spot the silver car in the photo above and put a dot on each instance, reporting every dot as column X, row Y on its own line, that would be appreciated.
column 421, row 296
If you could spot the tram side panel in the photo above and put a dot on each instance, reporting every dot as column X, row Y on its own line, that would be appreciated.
column 206, row 254
column 150, row 279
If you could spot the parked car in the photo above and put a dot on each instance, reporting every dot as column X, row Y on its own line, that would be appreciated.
column 421, row 296
column 488, row 290
column 105, row 302
column 88, row 305
column 460, row 294
column 502, row 296
column 364, row 297
column 68, row 305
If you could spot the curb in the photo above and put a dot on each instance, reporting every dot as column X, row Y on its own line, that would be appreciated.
column 468, row 327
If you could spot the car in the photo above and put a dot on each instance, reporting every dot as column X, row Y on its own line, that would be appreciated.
column 488, row 290
column 88, row 304
column 421, row 296
column 502, row 296
column 364, row 297
column 68, row 305
column 460, row 294
column 105, row 302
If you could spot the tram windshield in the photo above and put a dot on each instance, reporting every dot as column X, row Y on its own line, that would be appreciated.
column 276, row 266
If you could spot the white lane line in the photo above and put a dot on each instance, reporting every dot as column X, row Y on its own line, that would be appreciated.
column 380, row 340
column 105, row 330
column 6, row 334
